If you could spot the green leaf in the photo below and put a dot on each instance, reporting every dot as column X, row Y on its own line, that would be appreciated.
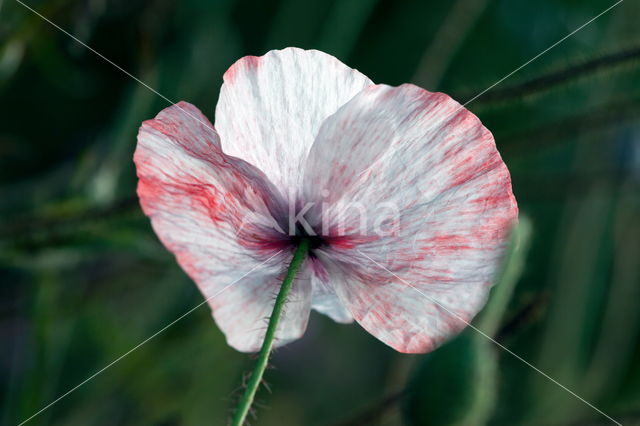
column 513, row 265
column 454, row 385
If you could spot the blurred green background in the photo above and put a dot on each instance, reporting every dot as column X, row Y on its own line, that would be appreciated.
column 84, row 279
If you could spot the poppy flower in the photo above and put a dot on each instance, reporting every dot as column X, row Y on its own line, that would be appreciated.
column 382, row 180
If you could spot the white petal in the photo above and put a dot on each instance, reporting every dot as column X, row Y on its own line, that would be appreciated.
column 418, row 187
column 271, row 107
column 324, row 298
column 198, row 200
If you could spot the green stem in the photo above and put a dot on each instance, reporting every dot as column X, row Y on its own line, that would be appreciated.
column 558, row 78
column 263, row 358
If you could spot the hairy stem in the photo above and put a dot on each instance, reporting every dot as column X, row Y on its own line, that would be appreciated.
column 263, row 358
column 561, row 77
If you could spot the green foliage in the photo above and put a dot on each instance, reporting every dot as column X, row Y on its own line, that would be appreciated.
column 454, row 385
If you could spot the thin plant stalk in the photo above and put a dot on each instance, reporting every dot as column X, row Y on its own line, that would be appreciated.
column 267, row 345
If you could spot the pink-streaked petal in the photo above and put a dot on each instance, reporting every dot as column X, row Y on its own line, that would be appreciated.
column 212, row 212
column 271, row 107
column 427, row 170
column 410, row 319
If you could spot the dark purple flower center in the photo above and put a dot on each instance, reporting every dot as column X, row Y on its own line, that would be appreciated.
column 315, row 240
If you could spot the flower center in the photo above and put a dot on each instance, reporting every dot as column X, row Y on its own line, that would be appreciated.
column 315, row 240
